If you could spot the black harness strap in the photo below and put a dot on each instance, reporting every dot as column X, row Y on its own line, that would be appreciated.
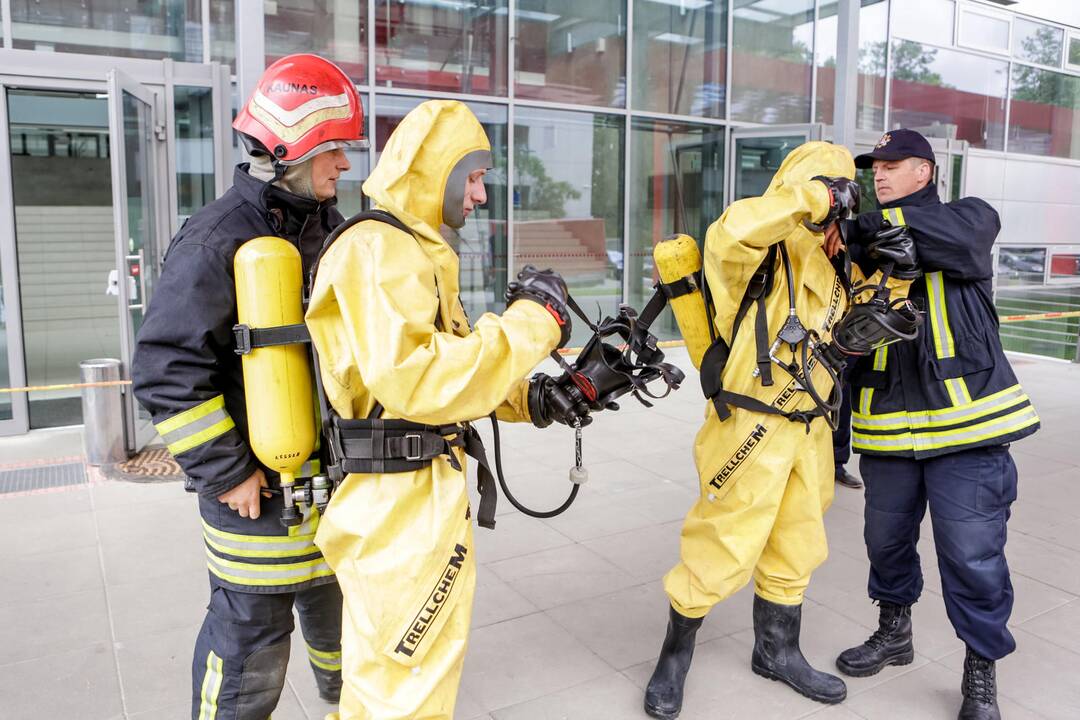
column 716, row 357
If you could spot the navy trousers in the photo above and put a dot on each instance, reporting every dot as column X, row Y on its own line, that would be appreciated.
column 242, row 651
column 969, row 494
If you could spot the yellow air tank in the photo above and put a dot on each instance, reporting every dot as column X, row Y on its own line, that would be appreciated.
column 277, row 379
column 675, row 258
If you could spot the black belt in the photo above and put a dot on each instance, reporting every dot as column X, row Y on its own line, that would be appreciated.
column 392, row 446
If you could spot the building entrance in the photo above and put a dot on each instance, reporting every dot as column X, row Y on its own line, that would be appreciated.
column 90, row 168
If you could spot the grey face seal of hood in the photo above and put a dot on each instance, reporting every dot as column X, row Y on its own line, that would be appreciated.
column 453, row 208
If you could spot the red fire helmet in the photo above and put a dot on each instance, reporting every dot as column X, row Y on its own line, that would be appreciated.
column 303, row 105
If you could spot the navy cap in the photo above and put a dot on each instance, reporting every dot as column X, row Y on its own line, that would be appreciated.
column 897, row 145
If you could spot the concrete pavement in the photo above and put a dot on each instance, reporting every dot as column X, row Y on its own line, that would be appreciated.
column 105, row 585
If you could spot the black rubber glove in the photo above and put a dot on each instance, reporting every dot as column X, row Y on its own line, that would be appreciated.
column 548, row 289
column 896, row 245
column 551, row 401
column 843, row 201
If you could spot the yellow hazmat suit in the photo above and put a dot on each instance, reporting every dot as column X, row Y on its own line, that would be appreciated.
column 765, row 481
column 387, row 321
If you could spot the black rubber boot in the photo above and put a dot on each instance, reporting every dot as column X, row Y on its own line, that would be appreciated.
column 777, row 655
column 889, row 645
column 663, row 696
column 980, row 689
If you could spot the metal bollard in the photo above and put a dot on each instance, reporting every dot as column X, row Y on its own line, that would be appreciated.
column 103, row 413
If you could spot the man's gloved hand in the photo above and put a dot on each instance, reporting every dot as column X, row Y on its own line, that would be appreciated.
column 547, row 288
column 843, row 201
column 896, row 245
column 550, row 401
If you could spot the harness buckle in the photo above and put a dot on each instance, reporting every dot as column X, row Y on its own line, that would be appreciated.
column 242, row 335
column 413, row 440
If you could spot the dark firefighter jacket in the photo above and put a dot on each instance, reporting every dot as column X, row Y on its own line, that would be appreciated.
column 186, row 374
column 952, row 387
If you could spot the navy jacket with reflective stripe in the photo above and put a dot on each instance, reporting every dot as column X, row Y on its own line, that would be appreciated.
column 952, row 387
column 185, row 371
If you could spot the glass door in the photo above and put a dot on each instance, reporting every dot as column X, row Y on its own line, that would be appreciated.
column 757, row 153
column 134, row 137
column 13, row 405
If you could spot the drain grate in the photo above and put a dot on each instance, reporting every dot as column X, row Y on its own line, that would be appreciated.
column 41, row 477
column 156, row 465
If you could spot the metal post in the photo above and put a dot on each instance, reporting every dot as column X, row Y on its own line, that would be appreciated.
column 250, row 46
column 847, row 73
column 103, row 412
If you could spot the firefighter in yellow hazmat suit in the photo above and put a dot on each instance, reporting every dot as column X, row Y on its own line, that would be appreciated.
column 766, row 478
column 392, row 337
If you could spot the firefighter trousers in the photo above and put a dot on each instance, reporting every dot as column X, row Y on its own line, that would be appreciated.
column 969, row 494
column 242, row 650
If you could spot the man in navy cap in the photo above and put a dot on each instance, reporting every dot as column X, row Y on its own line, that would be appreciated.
column 933, row 419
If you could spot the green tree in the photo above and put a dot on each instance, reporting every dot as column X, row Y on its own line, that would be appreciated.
column 911, row 61
column 545, row 194
column 1043, row 86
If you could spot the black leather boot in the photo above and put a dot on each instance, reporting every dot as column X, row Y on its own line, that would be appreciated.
column 889, row 645
column 663, row 696
column 980, row 689
column 777, row 655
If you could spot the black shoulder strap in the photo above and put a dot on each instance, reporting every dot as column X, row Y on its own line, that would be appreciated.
column 716, row 357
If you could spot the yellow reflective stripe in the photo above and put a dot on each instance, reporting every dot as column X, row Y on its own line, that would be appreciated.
column 327, row 660
column 996, row 427
column 309, row 526
column 211, row 687
column 946, row 416
column 267, row 575
column 190, row 415
column 895, row 216
column 196, row 425
column 958, row 392
column 939, row 316
column 866, row 396
column 254, row 546
column 880, row 356
column 255, row 539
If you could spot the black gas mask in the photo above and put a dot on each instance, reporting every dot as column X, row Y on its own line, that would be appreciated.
column 604, row 372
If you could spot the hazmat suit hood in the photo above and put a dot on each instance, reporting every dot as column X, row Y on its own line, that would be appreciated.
column 810, row 160
column 421, row 174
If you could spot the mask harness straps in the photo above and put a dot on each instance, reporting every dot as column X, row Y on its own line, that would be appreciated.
column 864, row 328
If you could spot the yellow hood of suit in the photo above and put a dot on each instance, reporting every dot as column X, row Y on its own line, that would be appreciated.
column 410, row 179
column 810, row 160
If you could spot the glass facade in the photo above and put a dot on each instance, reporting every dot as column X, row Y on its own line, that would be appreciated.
column 870, row 84
column 194, row 120
column 680, row 57
column 336, row 30
column 933, row 86
column 676, row 186
column 613, row 123
column 223, row 32
column 772, row 60
column 1044, row 117
column 571, row 52
column 568, row 206
column 124, row 28
column 446, row 46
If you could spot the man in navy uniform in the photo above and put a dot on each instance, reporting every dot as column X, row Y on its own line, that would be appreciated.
column 933, row 419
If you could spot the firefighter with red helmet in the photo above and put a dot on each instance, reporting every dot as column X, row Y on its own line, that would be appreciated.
column 302, row 116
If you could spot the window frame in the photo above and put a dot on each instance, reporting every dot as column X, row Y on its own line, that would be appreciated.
column 962, row 8
column 1070, row 35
